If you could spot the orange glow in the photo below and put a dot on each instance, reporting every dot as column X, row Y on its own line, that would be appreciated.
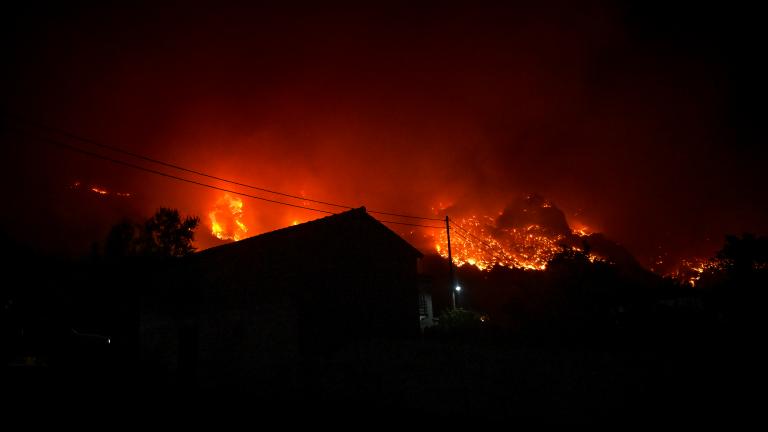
column 689, row 271
column 582, row 230
column 98, row 190
column 513, row 248
column 486, row 245
column 226, row 219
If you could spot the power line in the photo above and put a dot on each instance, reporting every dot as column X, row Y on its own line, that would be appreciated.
column 203, row 174
column 180, row 168
column 150, row 170
column 404, row 216
column 409, row 224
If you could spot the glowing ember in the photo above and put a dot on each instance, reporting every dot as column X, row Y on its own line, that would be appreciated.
column 227, row 219
column 582, row 230
column 689, row 271
column 481, row 243
column 99, row 190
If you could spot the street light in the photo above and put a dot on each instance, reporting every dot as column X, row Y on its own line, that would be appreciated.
column 458, row 288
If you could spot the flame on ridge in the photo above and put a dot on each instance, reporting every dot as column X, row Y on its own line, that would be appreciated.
column 484, row 245
column 99, row 190
column 226, row 219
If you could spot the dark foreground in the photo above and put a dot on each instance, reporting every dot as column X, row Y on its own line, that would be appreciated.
column 434, row 380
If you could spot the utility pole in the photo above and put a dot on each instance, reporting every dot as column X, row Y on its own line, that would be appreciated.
column 450, row 262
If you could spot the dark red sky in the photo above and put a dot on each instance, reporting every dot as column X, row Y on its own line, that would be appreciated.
column 640, row 121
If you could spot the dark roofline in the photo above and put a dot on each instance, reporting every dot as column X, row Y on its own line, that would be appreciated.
column 359, row 212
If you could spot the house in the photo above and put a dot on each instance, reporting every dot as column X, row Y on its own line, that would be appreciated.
column 244, row 312
column 426, row 313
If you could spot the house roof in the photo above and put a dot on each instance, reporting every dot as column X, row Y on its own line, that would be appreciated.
column 338, row 227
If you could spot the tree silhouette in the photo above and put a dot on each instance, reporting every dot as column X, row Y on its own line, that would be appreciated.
column 165, row 234
column 743, row 255
column 123, row 240
column 168, row 235
column 737, row 283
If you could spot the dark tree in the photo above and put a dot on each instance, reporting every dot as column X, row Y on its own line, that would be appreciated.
column 165, row 234
column 743, row 255
column 737, row 285
column 168, row 235
column 123, row 240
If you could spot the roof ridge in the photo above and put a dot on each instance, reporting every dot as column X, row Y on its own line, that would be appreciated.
column 357, row 211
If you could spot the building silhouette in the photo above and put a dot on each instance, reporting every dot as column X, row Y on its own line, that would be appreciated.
column 250, row 313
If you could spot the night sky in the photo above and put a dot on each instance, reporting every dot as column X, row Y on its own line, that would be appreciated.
column 641, row 121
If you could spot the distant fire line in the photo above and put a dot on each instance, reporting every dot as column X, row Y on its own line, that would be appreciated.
column 99, row 190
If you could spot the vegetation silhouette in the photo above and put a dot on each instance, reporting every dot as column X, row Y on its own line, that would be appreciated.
column 736, row 286
column 81, row 317
column 165, row 234
column 583, row 339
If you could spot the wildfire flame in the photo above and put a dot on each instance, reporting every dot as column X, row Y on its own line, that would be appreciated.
column 480, row 243
column 227, row 219
column 98, row 190
column 690, row 270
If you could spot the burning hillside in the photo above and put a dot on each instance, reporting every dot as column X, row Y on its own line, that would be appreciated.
column 527, row 234
column 530, row 231
column 689, row 271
